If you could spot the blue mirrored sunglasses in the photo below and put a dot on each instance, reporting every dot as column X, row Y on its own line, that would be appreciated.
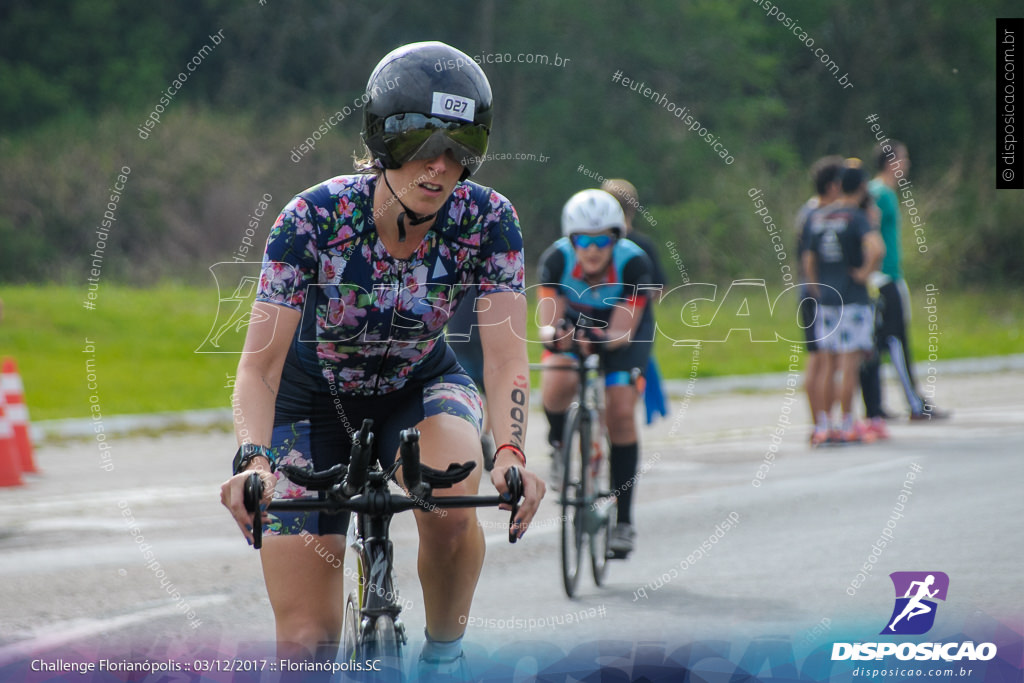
column 584, row 241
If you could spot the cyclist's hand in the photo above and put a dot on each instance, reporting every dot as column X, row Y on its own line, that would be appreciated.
column 591, row 339
column 232, row 496
column 558, row 339
column 533, row 489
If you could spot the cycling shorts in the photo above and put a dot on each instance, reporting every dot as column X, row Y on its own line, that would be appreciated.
column 313, row 428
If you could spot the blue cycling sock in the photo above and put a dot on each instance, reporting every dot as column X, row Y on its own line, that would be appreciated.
column 440, row 650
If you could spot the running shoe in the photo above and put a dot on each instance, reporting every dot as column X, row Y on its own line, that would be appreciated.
column 850, row 436
column 623, row 539
column 555, row 477
column 867, row 434
column 878, row 428
column 820, row 437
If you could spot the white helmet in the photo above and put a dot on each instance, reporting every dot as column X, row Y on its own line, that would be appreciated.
column 592, row 211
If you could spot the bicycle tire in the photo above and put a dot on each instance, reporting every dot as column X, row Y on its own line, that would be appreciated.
column 350, row 635
column 600, row 553
column 575, row 447
column 599, row 507
column 382, row 644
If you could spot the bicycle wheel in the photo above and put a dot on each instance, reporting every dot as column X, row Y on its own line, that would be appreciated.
column 599, row 542
column 350, row 636
column 575, row 446
column 602, row 509
column 382, row 644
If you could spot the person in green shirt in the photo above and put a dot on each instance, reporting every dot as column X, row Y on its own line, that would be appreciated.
column 893, row 300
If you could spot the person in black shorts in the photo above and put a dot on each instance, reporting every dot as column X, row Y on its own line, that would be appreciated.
column 359, row 277
column 826, row 173
column 592, row 280
column 842, row 250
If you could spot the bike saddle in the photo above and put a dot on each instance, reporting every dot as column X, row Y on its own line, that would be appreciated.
column 314, row 481
column 445, row 479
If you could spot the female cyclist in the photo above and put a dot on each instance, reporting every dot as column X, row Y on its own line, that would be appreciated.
column 360, row 274
column 593, row 281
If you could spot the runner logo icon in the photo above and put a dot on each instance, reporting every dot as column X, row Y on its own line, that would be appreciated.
column 916, row 593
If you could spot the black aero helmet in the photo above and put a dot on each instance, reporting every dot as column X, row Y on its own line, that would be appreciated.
column 423, row 99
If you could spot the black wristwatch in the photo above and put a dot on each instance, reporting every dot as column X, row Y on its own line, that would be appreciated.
column 246, row 453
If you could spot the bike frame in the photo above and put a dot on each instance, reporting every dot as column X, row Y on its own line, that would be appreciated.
column 589, row 516
column 366, row 493
column 589, row 399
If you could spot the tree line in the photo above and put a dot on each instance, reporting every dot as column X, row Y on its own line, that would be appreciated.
column 775, row 84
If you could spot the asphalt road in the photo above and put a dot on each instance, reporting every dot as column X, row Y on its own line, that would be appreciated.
column 73, row 579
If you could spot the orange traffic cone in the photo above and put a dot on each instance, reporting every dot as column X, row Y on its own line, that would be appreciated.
column 10, row 465
column 13, row 392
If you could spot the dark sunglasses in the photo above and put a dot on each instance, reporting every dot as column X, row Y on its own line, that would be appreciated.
column 599, row 241
column 409, row 137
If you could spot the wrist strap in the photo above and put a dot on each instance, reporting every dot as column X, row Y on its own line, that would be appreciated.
column 515, row 450
column 247, row 452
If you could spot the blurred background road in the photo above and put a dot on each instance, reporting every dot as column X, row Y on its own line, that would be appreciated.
column 72, row 577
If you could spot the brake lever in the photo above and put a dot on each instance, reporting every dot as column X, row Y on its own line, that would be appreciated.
column 251, row 496
column 514, row 481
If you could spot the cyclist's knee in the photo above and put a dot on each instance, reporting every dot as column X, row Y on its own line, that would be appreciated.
column 623, row 434
column 446, row 528
column 558, row 392
column 620, row 412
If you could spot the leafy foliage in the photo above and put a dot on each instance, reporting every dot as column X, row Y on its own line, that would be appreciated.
column 77, row 79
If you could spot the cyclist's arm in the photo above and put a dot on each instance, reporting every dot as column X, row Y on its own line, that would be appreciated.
column 267, row 341
column 507, row 381
column 624, row 321
column 628, row 311
column 551, row 303
column 551, row 309
column 506, row 368
column 259, row 375
column 290, row 265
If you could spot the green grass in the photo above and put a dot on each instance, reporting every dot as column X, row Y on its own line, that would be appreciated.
column 145, row 341
column 963, row 325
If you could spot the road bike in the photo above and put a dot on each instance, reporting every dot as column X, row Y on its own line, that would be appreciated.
column 372, row 627
column 588, row 506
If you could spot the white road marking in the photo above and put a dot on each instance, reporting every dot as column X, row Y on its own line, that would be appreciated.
column 54, row 635
column 123, row 553
column 32, row 503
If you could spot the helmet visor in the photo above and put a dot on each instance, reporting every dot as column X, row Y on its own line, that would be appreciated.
column 409, row 137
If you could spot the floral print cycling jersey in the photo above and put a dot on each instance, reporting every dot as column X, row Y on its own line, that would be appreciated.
column 371, row 322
